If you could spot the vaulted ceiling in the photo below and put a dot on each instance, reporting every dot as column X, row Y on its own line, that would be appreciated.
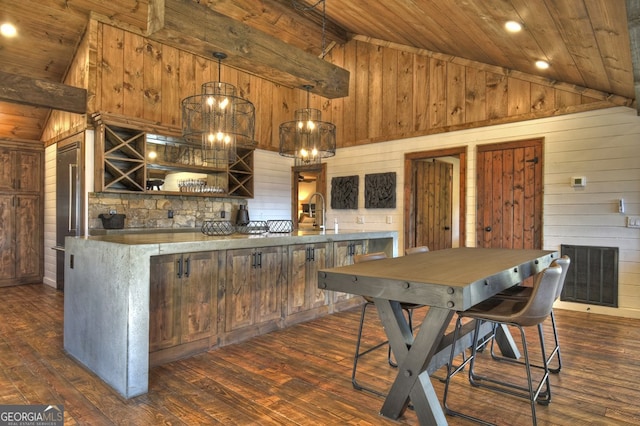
column 586, row 42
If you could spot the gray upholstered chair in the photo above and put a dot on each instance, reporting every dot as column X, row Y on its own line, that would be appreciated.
column 519, row 313
column 523, row 293
column 416, row 250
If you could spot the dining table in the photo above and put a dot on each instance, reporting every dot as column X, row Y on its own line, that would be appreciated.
column 447, row 281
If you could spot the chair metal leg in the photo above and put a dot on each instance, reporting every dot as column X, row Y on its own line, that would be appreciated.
column 359, row 354
column 452, row 371
column 556, row 349
column 541, row 393
column 554, row 353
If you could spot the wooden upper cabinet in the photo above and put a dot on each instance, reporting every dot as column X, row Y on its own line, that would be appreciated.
column 20, row 170
column 6, row 170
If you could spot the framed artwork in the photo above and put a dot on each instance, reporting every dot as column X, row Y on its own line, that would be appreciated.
column 380, row 191
column 344, row 192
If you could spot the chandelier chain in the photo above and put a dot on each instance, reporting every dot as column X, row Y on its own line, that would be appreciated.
column 303, row 8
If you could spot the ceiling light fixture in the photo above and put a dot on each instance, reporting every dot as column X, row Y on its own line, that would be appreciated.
column 8, row 30
column 308, row 139
column 543, row 65
column 218, row 120
column 513, row 26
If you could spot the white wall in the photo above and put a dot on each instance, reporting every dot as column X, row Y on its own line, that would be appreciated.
column 603, row 146
column 50, row 216
column 272, row 187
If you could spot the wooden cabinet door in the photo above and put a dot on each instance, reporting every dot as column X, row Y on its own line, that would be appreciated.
column 241, row 281
column 272, row 277
column 344, row 251
column 254, row 282
column 303, row 292
column 164, row 302
column 198, row 299
column 28, row 237
column 297, row 285
column 7, row 176
column 320, row 259
column 28, row 171
column 7, row 239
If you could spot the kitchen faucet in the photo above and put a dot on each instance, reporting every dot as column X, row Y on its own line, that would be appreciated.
column 322, row 227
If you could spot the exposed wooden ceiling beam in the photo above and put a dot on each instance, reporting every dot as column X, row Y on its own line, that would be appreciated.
column 193, row 27
column 42, row 93
column 633, row 22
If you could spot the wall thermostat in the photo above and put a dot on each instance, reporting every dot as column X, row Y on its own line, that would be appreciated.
column 578, row 181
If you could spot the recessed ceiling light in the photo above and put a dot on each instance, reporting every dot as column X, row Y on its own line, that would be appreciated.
column 543, row 65
column 8, row 30
column 513, row 26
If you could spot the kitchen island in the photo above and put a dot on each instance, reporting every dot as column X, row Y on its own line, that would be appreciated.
column 138, row 299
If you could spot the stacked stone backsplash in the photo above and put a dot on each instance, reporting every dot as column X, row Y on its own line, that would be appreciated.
column 152, row 211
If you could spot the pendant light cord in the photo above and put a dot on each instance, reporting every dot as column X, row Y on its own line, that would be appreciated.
column 300, row 7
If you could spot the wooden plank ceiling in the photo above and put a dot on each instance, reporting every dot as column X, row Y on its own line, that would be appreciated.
column 586, row 41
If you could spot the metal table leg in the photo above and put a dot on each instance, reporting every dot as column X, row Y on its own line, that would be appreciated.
column 413, row 355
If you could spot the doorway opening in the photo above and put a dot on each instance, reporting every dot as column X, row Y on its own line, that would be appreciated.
column 435, row 198
column 305, row 181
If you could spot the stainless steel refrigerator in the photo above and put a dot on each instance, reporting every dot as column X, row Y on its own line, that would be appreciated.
column 68, row 201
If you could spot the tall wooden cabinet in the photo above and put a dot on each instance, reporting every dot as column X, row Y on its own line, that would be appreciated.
column 21, row 214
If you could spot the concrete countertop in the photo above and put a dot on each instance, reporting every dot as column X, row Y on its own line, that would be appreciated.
column 177, row 242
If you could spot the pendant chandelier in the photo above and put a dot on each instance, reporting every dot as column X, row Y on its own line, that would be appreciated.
column 218, row 120
column 308, row 139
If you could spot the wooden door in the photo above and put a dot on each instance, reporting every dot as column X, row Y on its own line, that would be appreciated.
column 7, row 240
column 509, row 195
column 28, row 239
column 198, row 299
column 433, row 204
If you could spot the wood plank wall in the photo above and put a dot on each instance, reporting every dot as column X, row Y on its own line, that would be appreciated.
column 394, row 93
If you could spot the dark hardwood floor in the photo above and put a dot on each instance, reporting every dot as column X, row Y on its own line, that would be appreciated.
column 301, row 375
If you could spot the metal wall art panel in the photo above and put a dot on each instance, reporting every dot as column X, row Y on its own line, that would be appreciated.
column 344, row 192
column 380, row 191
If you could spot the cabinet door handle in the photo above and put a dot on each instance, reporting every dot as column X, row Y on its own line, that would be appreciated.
column 187, row 270
column 313, row 253
column 259, row 259
column 307, row 257
column 179, row 267
column 253, row 260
